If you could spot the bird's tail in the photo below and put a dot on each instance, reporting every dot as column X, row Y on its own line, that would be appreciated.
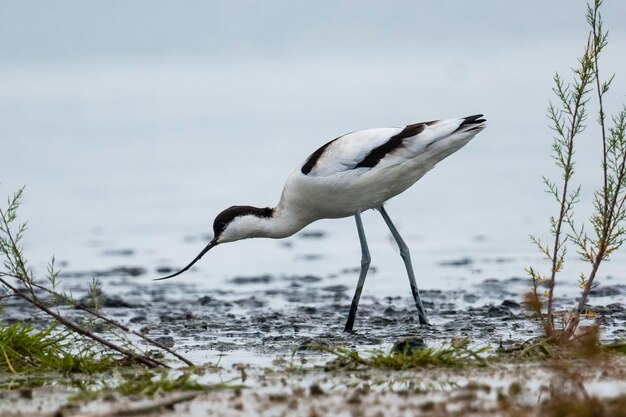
column 474, row 124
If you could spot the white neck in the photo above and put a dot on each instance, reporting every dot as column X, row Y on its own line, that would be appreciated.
column 282, row 223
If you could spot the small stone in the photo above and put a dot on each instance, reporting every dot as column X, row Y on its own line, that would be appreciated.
column 119, row 252
column 355, row 398
column 164, row 270
column 409, row 345
column 515, row 389
column 498, row 311
column 138, row 319
column 428, row 406
column 167, row 341
column 133, row 271
column 605, row 291
column 312, row 234
column 510, row 304
column 26, row 393
column 117, row 302
column 316, row 390
column 457, row 262
column 260, row 279
column 335, row 288
column 278, row 397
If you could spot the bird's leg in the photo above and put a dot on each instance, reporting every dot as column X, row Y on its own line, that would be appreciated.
column 365, row 264
column 406, row 257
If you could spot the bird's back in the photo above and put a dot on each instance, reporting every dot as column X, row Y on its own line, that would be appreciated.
column 345, row 152
column 363, row 169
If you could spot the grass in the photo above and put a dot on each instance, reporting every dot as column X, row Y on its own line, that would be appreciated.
column 26, row 349
column 150, row 383
column 618, row 346
column 405, row 355
column 32, row 358
column 454, row 354
column 17, row 279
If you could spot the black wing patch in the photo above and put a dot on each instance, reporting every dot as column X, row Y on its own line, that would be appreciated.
column 374, row 157
column 314, row 157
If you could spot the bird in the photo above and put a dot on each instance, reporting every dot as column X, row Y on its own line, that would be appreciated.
column 353, row 173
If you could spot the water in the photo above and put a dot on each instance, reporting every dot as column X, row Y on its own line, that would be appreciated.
column 133, row 131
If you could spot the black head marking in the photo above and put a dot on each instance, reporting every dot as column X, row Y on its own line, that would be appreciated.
column 373, row 158
column 227, row 216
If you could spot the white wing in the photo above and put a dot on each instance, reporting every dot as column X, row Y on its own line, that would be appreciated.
column 345, row 152
column 366, row 149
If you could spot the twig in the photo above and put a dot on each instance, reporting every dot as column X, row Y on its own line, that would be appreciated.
column 16, row 265
column 117, row 324
column 568, row 120
column 609, row 207
column 577, row 115
column 599, row 43
column 609, row 225
column 146, row 360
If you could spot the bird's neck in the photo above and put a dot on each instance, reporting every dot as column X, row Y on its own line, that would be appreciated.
column 282, row 223
column 286, row 222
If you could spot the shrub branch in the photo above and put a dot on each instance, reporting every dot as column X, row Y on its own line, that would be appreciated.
column 16, row 268
column 607, row 219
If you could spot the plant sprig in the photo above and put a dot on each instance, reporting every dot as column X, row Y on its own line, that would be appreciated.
column 17, row 270
column 568, row 121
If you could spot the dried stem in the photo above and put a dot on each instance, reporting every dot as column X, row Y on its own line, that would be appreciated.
column 567, row 122
column 115, row 323
column 610, row 236
column 577, row 115
column 609, row 212
column 146, row 360
column 599, row 42
column 16, row 266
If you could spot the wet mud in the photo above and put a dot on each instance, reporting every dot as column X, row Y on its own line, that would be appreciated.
column 267, row 315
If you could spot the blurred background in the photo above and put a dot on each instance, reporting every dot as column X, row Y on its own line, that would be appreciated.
column 132, row 124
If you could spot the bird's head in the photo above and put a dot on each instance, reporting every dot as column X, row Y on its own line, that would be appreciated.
column 240, row 222
column 234, row 223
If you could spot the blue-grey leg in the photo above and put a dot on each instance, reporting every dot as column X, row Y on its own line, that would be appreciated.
column 365, row 264
column 406, row 257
